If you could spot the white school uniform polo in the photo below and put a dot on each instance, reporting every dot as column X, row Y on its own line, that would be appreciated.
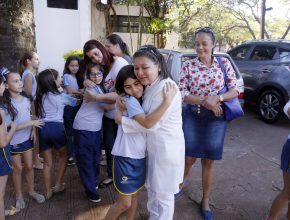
column 131, row 145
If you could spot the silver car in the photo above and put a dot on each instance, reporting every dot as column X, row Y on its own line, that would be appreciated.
column 265, row 67
column 175, row 59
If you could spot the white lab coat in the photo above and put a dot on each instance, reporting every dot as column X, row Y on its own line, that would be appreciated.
column 165, row 143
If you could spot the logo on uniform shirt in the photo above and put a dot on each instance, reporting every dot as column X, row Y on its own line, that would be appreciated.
column 124, row 179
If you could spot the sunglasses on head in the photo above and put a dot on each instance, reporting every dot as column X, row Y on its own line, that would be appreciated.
column 203, row 30
column 145, row 48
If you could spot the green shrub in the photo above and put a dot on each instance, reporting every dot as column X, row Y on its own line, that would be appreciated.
column 78, row 52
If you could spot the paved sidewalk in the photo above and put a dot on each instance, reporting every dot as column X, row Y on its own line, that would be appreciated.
column 245, row 182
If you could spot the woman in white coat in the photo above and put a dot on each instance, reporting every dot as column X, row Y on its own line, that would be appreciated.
column 165, row 142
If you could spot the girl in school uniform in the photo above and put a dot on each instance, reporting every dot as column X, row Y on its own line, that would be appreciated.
column 28, row 67
column 95, row 52
column 50, row 103
column 21, row 142
column 129, row 161
column 87, row 126
column 71, row 74
column 5, row 137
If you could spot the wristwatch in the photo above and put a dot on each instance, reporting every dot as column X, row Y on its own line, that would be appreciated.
column 221, row 98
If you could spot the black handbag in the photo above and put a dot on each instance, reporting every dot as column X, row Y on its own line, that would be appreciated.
column 233, row 108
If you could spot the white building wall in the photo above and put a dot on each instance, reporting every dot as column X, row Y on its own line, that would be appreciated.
column 60, row 30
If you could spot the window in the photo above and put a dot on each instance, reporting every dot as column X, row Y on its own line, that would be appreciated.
column 240, row 53
column 120, row 23
column 284, row 55
column 263, row 53
column 66, row 4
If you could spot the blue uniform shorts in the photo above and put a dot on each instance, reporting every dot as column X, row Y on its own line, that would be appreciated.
column 129, row 174
column 22, row 147
column 5, row 161
column 52, row 135
column 285, row 157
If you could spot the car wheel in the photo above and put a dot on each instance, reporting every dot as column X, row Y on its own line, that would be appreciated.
column 270, row 106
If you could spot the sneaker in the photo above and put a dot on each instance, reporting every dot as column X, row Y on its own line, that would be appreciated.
column 20, row 203
column 71, row 161
column 106, row 183
column 37, row 197
column 95, row 198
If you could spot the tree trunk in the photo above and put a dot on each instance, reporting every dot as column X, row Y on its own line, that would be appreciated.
column 286, row 32
column 17, row 31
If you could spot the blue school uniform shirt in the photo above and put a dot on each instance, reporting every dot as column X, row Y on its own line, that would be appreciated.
column 53, row 106
column 23, row 108
column 34, row 83
column 90, row 114
column 285, row 109
column 8, row 119
column 130, row 145
column 70, row 80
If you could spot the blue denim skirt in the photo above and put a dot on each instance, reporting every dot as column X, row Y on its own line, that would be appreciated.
column 285, row 157
column 204, row 132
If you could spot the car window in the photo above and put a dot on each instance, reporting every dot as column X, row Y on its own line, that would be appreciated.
column 168, row 60
column 263, row 53
column 240, row 53
column 284, row 55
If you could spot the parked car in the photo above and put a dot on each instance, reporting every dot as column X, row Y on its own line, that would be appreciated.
column 175, row 59
column 265, row 67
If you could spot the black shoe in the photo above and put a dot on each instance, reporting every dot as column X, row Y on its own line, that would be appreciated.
column 71, row 162
column 95, row 198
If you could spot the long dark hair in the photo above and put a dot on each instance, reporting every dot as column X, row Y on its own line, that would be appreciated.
column 79, row 74
column 3, row 102
column 116, row 39
column 124, row 73
column 107, row 57
column 23, row 61
column 153, row 54
column 7, row 97
column 45, row 83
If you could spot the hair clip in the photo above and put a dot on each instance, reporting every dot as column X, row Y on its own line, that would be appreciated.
column 4, row 71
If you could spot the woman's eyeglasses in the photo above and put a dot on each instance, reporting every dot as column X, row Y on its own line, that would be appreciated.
column 98, row 74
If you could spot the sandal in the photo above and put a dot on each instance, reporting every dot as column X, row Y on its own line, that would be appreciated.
column 58, row 189
column 206, row 214
column 106, row 183
column 49, row 195
column 11, row 211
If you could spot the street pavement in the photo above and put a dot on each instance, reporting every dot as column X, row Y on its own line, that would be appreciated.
column 247, row 179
